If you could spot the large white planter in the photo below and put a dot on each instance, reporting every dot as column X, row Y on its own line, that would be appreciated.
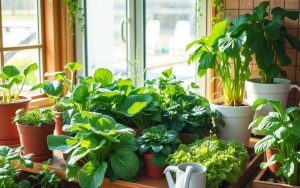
column 237, row 120
column 279, row 90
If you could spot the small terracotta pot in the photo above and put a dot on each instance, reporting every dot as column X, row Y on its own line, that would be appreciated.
column 151, row 170
column 273, row 168
column 34, row 140
column 8, row 131
column 185, row 137
column 59, row 123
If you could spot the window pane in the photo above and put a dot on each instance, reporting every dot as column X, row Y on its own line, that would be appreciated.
column 20, row 22
column 21, row 59
column 170, row 26
column 105, row 47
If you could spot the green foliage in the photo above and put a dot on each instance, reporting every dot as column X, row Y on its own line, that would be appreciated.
column 224, row 52
column 76, row 13
column 219, row 10
column 182, row 109
column 225, row 160
column 266, row 38
column 46, row 178
column 36, row 117
column 158, row 141
column 282, row 133
column 14, row 81
column 54, row 89
column 103, row 146
column 9, row 167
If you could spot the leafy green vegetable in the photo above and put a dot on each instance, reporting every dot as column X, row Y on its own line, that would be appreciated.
column 36, row 117
column 283, row 134
column 158, row 141
column 102, row 145
column 13, row 81
column 225, row 160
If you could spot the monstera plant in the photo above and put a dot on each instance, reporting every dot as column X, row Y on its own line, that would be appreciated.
column 103, row 146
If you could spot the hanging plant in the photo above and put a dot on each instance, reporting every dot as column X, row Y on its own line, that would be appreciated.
column 76, row 13
column 219, row 6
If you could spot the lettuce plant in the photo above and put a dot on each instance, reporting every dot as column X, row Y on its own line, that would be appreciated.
column 101, row 145
column 225, row 160
column 183, row 110
column 13, row 81
column 36, row 117
column 158, row 141
column 282, row 129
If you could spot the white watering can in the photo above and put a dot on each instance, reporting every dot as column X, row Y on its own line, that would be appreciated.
column 188, row 175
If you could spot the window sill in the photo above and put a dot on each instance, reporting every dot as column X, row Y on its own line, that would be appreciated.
column 40, row 102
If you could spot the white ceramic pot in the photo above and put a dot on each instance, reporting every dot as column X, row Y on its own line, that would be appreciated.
column 279, row 90
column 237, row 120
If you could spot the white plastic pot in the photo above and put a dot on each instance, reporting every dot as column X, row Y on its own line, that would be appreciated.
column 237, row 120
column 279, row 90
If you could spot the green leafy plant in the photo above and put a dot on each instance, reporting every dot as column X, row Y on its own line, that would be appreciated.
column 76, row 13
column 225, row 160
column 10, row 159
column 46, row 178
column 13, row 82
column 224, row 52
column 102, row 145
column 282, row 133
column 158, row 141
column 182, row 109
column 35, row 117
column 54, row 89
column 267, row 38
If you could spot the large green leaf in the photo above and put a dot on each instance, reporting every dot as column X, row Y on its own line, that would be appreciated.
column 260, row 11
column 58, row 142
column 218, row 30
column 77, row 154
column 207, row 60
column 264, row 144
column 92, row 174
column 133, row 104
column 167, row 73
column 7, row 85
column 274, row 158
column 81, row 93
column 10, row 71
column 30, row 68
column 103, row 76
column 71, row 172
column 74, row 66
column 295, row 128
column 53, row 88
column 124, row 163
column 289, row 169
column 232, row 45
column 270, row 123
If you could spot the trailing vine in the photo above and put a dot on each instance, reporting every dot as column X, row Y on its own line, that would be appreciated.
column 219, row 7
column 76, row 13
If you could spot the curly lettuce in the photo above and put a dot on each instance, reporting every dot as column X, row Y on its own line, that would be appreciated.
column 225, row 160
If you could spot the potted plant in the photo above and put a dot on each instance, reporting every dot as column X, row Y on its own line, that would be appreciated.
column 34, row 126
column 224, row 52
column 10, row 159
column 101, row 146
column 12, row 85
column 156, row 143
column 266, row 39
column 54, row 90
column 225, row 160
column 282, row 129
column 183, row 110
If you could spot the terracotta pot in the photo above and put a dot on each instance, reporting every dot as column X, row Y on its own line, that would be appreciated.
column 8, row 131
column 273, row 168
column 185, row 137
column 34, row 140
column 59, row 123
column 151, row 170
column 137, row 131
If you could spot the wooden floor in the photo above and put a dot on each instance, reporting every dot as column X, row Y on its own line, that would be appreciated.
column 58, row 162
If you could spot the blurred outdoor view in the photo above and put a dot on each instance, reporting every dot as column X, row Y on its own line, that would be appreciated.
column 170, row 26
column 21, row 27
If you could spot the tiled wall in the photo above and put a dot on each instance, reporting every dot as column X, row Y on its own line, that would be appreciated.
column 237, row 7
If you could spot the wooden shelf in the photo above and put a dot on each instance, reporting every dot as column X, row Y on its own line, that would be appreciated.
column 58, row 164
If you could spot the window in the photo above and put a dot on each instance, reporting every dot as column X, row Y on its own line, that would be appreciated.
column 21, row 42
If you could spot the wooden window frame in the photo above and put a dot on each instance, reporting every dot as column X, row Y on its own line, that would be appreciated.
column 57, row 42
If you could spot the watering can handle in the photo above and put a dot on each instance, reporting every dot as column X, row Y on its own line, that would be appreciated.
column 169, row 177
column 296, row 87
column 187, row 176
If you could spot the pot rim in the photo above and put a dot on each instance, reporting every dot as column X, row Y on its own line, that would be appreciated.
column 27, row 99
column 277, row 81
column 193, row 164
column 245, row 103
column 48, row 125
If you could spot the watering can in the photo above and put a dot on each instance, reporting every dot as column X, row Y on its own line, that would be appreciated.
column 188, row 175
